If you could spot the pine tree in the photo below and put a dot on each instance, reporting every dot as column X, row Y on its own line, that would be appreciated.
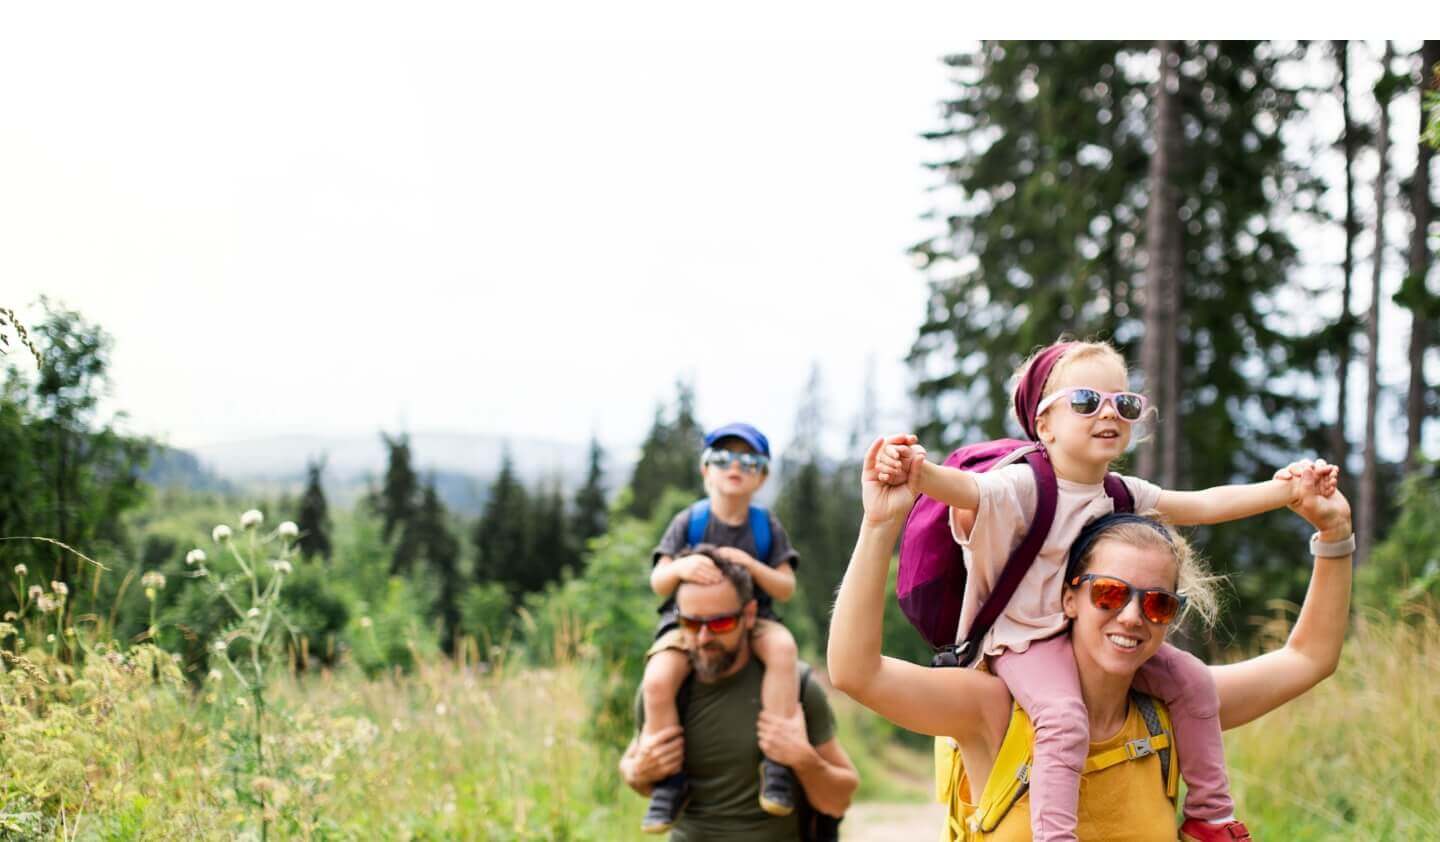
column 1341, row 335
column 1164, row 278
column 554, row 549
column 314, row 517
column 503, row 535
column 1415, row 294
column 1368, row 517
column 669, row 457
column 398, row 502
column 440, row 549
column 591, row 511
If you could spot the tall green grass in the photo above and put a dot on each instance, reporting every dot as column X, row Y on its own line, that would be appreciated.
column 1357, row 757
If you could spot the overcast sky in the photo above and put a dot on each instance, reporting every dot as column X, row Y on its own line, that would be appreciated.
column 340, row 217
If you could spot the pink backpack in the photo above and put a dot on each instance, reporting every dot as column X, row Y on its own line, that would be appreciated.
column 931, row 582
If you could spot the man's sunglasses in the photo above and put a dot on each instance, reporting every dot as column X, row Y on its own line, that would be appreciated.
column 1111, row 594
column 749, row 462
column 721, row 624
column 1085, row 402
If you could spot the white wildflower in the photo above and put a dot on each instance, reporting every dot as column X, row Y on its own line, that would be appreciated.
column 366, row 622
column 253, row 612
column 153, row 579
column 60, row 588
column 11, row 615
column 195, row 556
column 251, row 519
column 49, row 638
column 221, row 645
column 282, row 566
column 46, row 603
column 21, row 570
column 440, row 709
column 214, row 675
column 221, row 534
column 35, row 591
column 288, row 530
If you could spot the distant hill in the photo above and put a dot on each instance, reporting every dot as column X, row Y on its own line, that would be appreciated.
column 463, row 464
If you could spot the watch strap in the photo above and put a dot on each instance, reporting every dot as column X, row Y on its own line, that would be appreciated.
column 1332, row 549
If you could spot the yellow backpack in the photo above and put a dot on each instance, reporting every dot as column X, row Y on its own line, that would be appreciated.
column 1010, row 777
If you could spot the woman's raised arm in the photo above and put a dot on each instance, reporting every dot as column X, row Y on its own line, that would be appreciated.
column 921, row 699
column 1252, row 688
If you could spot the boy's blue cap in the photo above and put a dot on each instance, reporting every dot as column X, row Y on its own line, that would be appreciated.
column 744, row 432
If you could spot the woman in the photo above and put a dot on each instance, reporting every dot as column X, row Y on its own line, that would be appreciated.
column 974, row 708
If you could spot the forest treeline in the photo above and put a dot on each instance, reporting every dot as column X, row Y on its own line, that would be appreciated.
column 1144, row 192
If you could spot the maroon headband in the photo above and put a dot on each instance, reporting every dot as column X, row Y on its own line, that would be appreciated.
column 1031, row 386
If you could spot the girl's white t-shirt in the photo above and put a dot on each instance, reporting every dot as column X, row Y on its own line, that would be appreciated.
column 1007, row 506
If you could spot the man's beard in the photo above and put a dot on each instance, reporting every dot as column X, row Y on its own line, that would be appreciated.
column 712, row 660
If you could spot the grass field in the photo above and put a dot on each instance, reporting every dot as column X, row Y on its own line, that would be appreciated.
column 454, row 752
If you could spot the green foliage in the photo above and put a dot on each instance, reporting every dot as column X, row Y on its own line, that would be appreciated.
column 487, row 614
column 1403, row 573
column 389, row 630
column 69, row 474
column 669, row 457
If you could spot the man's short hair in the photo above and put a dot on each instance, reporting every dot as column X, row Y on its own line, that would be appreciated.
column 738, row 576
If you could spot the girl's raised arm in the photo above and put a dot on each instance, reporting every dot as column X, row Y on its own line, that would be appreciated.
column 1252, row 688
column 921, row 699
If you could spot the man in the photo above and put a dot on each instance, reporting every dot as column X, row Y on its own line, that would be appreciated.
column 720, row 744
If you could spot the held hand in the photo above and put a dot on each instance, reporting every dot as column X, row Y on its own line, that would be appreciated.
column 659, row 755
column 1328, row 513
column 784, row 739
column 883, row 502
column 698, row 570
column 895, row 458
column 1326, row 475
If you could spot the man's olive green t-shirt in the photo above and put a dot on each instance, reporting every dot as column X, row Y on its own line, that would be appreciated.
column 722, row 758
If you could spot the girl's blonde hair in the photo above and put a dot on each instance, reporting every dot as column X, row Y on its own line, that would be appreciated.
column 1080, row 350
column 1193, row 579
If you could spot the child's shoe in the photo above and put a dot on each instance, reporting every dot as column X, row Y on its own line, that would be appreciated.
column 777, row 788
column 667, row 801
column 1199, row 830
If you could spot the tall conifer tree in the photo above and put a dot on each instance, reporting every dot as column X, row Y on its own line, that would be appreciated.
column 314, row 517
column 591, row 511
column 440, row 549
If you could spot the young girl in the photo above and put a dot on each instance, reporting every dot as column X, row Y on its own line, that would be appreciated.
column 734, row 465
column 1072, row 399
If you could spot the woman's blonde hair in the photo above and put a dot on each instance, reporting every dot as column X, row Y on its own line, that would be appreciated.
column 1193, row 579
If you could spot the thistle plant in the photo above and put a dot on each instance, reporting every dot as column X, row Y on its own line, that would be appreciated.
column 248, row 648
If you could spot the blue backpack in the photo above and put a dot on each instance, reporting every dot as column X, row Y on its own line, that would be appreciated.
column 759, row 527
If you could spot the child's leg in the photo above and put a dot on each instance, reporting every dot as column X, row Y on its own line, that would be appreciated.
column 773, row 644
column 1046, row 683
column 665, row 671
column 1184, row 684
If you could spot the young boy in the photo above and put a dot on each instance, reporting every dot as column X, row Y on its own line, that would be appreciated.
column 734, row 465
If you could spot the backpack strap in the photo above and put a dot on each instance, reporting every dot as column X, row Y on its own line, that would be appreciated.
column 699, row 519
column 760, row 530
column 1118, row 491
column 1047, row 493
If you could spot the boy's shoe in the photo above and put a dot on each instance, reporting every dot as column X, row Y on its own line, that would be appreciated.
column 777, row 788
column 1199, row 830
column 667, row 801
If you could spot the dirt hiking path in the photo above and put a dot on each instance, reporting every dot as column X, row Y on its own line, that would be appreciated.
column 880, row 821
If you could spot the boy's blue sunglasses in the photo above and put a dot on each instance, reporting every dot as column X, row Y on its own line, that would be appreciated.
column 721, row 458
